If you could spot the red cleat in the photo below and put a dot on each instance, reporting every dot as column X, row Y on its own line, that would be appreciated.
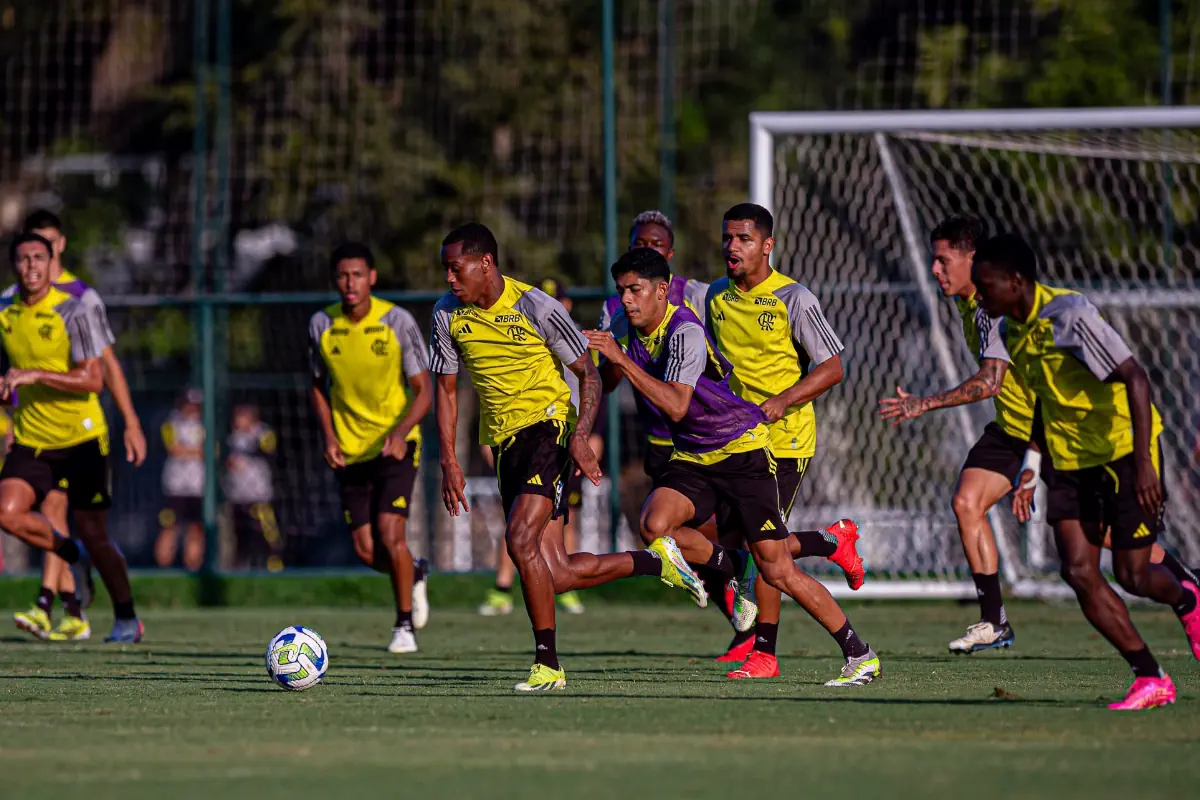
column 1191, row 620
column 758, row 665
column 846, row 556
column 738, row 653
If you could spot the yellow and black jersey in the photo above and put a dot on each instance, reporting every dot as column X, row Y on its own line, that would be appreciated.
column 53, row 334
column 514, row 352
column 367, row 364
column 772, row 334
column 1065, row 353
column 1014, row 404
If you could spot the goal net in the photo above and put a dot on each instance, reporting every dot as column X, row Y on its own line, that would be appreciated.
column 1108, row 197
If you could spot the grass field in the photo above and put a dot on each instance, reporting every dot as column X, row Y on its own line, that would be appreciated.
column 190, row 712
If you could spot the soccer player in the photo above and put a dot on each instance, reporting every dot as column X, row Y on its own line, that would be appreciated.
column 372, row 357
column 37, row 620
column 1102, row 433
column 54, row 347
column 513, row 339
column 721, row 463
column 771, row 329
column 994, row 463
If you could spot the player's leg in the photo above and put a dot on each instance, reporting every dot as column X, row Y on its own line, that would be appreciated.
column 391, row 494
column 193, row 542
column 977, row 491
column 569, row 601
column 73, row 626
column 499, row 598
column 1181, row 571
column 25, row 480
column 166, row 544
column 573, row 571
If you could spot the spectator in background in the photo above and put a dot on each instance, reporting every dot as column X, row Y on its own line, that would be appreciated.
column 250, row 489
column 183, row 484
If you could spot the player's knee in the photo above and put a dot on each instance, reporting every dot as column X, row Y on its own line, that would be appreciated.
column 522, row 540
column 968, row 506
column 394, row 540
column 655, row 524
column 775, row 572
column 1134, row 579
column 1081, row 576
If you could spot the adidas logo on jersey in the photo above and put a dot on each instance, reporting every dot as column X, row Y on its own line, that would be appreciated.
column 466, row 328
column 768, row 526
column 536, row 480
column 400, row 502
column 336, row 351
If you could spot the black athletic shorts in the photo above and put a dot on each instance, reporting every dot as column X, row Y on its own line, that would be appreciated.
column 383, row 485
column 181, row 511
column 656, row 460
column 998, row 452
column 1105, row 498
column 82, row 471
column 257, row 534
column 535, row 460
column 740, row 489
column 574, row 489
column 789, row 474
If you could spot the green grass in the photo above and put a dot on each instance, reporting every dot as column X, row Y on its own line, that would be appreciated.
column 190, row 712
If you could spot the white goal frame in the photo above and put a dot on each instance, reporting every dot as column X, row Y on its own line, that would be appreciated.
column 766, row 126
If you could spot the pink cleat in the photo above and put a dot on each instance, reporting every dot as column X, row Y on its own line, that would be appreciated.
column 1191, row 620
column 1147, row 693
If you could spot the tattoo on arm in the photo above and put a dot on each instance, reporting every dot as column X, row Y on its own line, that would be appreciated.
column 590, row 389
column 980, row 386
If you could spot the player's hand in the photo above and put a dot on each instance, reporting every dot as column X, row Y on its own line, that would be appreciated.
column 334, row 456
column 135, row 443
column 1149, row 487
column 1022, row 504
column 14, row 378
column 395, row 446
column 604, row 344
column 901, row 407
column 584, row 458
column 774, row 408
column 454, row 489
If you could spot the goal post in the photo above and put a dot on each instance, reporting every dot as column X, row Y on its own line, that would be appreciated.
column 1110, row 199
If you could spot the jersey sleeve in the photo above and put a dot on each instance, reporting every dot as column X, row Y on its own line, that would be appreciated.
column 991, row 337
column 554, row 324
column 695, row 294
column 85, row 332
column 1081, row 331
column 443, row 355
column 412, row 344
column 317, row 326
column 94, row 307
column 810, row 329
column 687, row 355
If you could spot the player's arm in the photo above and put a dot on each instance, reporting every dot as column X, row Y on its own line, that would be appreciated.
column 443, row 362
column 114, row 378
column 590, row 390
column 686, row 358
column 1137, row 389
column 83, row 377
column 812, row 333
column 1031, row 468
column 415, row 366
column 317, row 391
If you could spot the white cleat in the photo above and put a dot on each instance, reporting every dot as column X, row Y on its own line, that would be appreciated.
column 984, row 636
column 420, row 596
column 403, row 641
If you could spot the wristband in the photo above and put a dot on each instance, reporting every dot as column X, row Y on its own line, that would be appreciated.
column 1033, row 462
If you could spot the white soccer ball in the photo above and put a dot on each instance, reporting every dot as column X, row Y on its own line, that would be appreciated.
column 297, row 658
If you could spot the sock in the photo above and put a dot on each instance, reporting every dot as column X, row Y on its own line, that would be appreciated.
column 1186, row 604
column 741, row 638
column 403, row 620
column 722, row 562
column 1181, row 571
column 546, row 653
column 1142, row 663
column 70, row 602
column 504, row 589
column 716, row 585
column 67, row 550
column 765, row 636
column 418, row 570
column 821, row 544
column 991, row 601
column 847, row 639
column 124, row 611
column 646, row 562
column 45, row 599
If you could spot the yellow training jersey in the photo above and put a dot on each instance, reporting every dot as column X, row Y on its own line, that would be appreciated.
column 514, row 352
column 771, row 334
column 368, row 364
column 1014, row 404
column 54, row 334
column 1065, row 352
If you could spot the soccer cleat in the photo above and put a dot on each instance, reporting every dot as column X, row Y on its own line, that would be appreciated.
column 1191, row 620
column 420, row 596
column 676, row 572
column 126, row 631
column 858, row 671
column 496, row 604
column 846, row 556
column 1147, row 693
column 570, row 603
column 33, row 621
column 71, row 629
column 984, row 636
column 738, row 651
column 758, row 665
column 403, row 641
column 543, row 679
column 745, row 599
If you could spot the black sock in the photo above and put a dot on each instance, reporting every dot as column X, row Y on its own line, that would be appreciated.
column 45, row 599
column 67, row 550
column 722, row 561
column 1142, row 663
column 741, row 638
column 545, row 651
column 1181, row 571
column 646, row 562
column 716, row 585
column 503, row 589
column 124, row 611
column 403, row 620
column 420, row 566
column 1186, row 604
column 70, row 602
column 847, row 639
column 765, row 636
column 821, row 544
column 991, row 601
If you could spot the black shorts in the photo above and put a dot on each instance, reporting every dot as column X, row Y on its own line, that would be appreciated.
column 257, row 534
column 656, row 460
column 535, row 460
column 382, row 485
column 789, row 474
column 740, row 489
column 574, row 489
column 998, row 452
column 1105, row 499
column 82, row 471
column 181, row 511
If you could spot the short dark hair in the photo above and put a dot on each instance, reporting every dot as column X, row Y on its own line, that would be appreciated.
column 762, row 219
column 41, row 219
column 963, row 231
column 25, row 238
column 348, row 250
column 643, row 262
column 1010, row 253
column 654, row 217
column 476, row 240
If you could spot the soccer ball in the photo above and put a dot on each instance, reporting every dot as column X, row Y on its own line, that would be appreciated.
column 297, row 658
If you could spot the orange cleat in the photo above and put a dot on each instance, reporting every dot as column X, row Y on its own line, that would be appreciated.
column 738, row 653
column 846, row 556
column 758, row 665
